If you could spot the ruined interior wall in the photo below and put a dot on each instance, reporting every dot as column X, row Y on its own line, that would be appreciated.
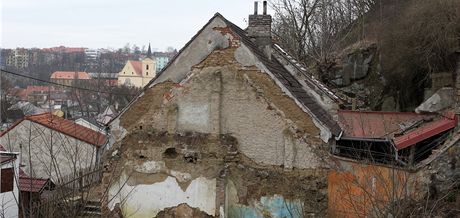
column 52, row 154
column 151, row 171
column 253, row 191
column 219, row 113
column 270, row 128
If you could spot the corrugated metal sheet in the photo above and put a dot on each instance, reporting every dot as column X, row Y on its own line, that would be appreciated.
column 28, row 184
column 426, row 131
column 404, row 128
column 371, row 124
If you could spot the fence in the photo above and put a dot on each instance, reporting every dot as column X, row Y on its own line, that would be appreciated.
column 68, row 195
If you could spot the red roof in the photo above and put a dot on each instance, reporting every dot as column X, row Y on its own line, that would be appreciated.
column 137, row 65
column 64, row 49
column 29, row 184
column 18, row 92
column 373, row 124
column 428, row 130
column 70, row 75
column 405, row 128
column 66, row 127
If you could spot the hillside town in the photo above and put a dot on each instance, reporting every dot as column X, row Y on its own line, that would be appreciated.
column 243, row 121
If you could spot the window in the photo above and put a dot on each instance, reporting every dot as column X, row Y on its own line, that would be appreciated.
column 147, row 67
column 124, row 72
column 7, row 180
column 147, row 73
column 132, row 73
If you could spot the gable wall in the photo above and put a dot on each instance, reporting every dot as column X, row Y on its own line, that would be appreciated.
column 68, row 154
column 245, row 103
column 235, row 120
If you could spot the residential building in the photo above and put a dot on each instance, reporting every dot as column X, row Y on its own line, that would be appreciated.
column 161, row 59
column 92, row 54
column 107, row 79
column 18, row 58
column 38, row 94
column 9, row 191
column 138, row 73
column 53, row 147
column 70, row 78
column 105, row 117
column 232, row 126
column 236, row 127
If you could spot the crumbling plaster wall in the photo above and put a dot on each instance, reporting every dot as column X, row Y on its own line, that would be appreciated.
column 242, row 101
column 217, row 99
column 150, row 171
column 199, row 48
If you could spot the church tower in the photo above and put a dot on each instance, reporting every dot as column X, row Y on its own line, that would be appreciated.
column 148, row 67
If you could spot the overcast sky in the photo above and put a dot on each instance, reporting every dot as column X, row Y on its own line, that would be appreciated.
column 111, row 23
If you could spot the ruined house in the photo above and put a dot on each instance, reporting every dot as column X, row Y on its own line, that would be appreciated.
column 233, row 126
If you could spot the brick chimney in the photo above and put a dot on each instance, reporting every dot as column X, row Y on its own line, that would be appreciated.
column 259, row 29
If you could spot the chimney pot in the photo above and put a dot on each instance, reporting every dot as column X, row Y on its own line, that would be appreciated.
column 265, row 7
column 255, row 7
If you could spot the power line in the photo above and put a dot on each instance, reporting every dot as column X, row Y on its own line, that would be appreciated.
column 67, row 86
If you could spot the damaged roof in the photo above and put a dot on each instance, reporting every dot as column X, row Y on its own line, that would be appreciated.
column 288, row 81
column 404, row 128
column 276, row 68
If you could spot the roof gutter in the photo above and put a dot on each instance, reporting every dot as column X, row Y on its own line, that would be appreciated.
column 362, row 139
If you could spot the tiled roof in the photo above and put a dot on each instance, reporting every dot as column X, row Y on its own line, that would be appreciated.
column 137, row 65
column 66, row 127
column 70, row 75
column 29, row 184
column 69, row 128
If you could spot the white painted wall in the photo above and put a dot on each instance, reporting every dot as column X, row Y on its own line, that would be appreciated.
column 9, row 200
column 148, row 200
column 52, row 154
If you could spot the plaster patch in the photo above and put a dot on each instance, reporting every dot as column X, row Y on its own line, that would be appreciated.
column 149, row 200
column 194, row 116
column 244, row 57
column 150, row 167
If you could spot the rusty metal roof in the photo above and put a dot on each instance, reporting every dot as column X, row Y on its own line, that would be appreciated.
column 375, row 124
column 446, row 122
column 404, row 128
